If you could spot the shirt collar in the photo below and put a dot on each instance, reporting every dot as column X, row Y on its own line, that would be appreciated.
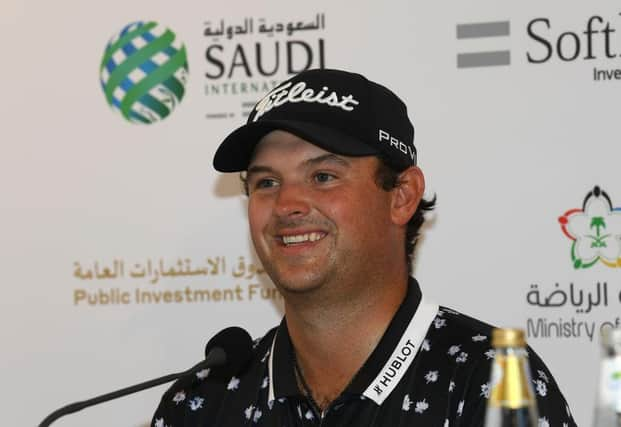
column 280, row 365
column 385, row 366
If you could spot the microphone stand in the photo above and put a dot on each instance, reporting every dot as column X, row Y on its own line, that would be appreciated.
column 216, row 357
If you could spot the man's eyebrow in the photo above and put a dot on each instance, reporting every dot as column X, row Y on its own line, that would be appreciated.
column 258, row 169
column 327, row 158
column 324, row 158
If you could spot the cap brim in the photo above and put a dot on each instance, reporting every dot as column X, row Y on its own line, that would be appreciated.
column 235, row 152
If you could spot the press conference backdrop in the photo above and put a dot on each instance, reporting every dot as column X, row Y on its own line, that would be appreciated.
column 123, row 251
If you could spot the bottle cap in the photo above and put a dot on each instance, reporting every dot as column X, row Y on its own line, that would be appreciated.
column 611, row 339
column 507, row 337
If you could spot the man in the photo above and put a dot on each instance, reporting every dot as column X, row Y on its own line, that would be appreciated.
column 335, row 204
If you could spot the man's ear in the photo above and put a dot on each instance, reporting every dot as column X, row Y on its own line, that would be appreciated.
column 407, row 195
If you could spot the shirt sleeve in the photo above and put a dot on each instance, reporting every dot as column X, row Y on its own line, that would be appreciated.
column 190, row 402
column 551, row 404
column 171, row 410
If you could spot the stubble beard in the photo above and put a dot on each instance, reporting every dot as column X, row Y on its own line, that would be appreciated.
column 303, row 274
column 308, row 276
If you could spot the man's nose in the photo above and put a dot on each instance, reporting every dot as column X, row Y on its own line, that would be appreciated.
column 292, row 201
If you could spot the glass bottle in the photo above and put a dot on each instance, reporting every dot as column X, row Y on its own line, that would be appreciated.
column 608, row 405
column 512, row 400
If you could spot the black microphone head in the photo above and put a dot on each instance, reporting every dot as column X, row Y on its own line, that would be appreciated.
column 236, row 344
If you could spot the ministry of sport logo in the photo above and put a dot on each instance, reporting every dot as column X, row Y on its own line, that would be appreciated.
column 595, row 231
column 144, row 71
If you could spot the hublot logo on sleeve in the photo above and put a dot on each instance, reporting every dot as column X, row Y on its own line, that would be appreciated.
column 403, row 354
column 397, row 363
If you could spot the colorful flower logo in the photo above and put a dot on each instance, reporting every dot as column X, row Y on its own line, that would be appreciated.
column 595, row 231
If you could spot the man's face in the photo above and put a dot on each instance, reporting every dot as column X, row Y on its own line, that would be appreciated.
column 316, row 218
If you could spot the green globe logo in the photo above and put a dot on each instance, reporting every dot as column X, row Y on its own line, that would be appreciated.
column 144, row 72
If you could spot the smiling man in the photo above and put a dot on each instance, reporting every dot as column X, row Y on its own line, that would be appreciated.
column 335, row 206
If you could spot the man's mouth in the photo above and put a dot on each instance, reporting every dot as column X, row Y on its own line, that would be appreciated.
column 296, row 239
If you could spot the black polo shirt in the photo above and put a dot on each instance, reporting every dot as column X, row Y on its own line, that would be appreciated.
column 430, row 368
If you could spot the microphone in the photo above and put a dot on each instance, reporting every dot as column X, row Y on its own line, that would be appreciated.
column 230, row 349
column 236, row 344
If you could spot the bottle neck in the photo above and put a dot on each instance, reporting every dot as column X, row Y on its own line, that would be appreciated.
column 510, row 381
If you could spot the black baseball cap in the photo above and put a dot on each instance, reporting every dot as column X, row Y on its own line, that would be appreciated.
column 341, row 112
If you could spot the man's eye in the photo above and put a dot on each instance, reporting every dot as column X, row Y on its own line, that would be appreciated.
column 324, row 177
column 265, row 183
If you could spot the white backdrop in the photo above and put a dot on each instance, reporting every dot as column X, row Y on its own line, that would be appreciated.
column 95, row 206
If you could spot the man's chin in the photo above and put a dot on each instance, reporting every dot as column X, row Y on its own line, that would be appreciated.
column 302, row 285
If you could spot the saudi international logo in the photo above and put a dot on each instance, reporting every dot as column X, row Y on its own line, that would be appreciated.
column 144, row 72
column 595, row 231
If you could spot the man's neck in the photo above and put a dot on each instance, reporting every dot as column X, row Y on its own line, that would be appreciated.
column 333, row 340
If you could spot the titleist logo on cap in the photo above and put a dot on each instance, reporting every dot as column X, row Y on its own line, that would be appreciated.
column 300, row 93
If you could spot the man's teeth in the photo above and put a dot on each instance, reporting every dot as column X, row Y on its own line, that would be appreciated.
column 299, row 238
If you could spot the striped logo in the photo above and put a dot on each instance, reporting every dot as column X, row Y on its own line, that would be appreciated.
column 144, row 71
column 483, row 58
